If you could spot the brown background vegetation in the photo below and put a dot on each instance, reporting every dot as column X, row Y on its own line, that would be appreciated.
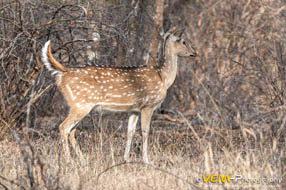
column 232, row 93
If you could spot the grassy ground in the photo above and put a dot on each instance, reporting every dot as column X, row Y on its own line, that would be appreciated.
column 234, row 89
column 178, row 159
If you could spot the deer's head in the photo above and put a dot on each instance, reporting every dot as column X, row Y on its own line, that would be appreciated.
column 179, row 44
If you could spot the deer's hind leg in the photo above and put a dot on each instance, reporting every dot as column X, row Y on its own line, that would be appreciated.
column 67, row 130
column 74, row 144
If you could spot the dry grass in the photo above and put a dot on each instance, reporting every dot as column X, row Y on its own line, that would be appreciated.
column 234, row 89
column 178, row 160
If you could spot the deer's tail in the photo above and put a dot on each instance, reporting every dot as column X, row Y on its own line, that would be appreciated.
column 50, row 62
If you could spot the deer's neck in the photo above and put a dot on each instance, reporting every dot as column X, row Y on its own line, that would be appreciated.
column 168, row 71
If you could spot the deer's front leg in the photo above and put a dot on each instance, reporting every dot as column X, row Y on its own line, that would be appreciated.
column 130, row 133
column 146, row 115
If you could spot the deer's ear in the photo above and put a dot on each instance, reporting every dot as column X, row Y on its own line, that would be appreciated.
column 176, row 36
column 180, row 32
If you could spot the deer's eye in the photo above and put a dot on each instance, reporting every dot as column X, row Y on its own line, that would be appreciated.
column 184, row 42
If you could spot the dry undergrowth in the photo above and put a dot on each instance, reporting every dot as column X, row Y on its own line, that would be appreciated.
column 235, row 90
column 178, row 160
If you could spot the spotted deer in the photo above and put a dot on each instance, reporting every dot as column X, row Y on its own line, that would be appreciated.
column 136, row 90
